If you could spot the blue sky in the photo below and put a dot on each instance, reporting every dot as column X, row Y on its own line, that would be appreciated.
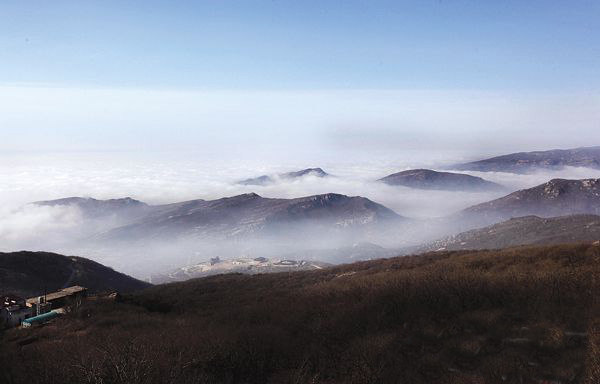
column 299, row 79
column 523, row 45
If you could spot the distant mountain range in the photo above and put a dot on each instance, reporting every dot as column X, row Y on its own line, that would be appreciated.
column 320, row 227
column 429, row 179
column 526, row 162
column 304, row 221
column 249, row 215
column 528, row 230
column 117, row 211
column 267, row 179
column 29, row 274
column 558, row 197
column 92, row 207
column 144, row 240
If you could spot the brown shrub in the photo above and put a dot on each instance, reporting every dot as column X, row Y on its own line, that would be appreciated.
column 449, row 317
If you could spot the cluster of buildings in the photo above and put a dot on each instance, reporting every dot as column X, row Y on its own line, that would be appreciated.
column 16, row 311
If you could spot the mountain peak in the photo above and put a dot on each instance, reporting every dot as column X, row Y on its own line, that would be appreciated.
column 251, row 216
column 329, row 197
column 557, row 197
column 76, row 200
column 239, row 198
column 430, row 179
column 250, row 195
column 126, row 208
column 269, row 179
column 557, row 187
column 308, row 171
column 526, row 162
column 127, row 200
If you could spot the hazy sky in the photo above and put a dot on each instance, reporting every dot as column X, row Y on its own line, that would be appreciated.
column 301, row 80
column 172, row 100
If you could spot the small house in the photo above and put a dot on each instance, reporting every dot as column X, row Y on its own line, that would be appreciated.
column 71, row 296
column 13, row 310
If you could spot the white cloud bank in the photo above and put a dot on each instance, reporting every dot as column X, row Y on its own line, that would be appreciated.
column 295, row 125
column 106, row 175
column 164, row 146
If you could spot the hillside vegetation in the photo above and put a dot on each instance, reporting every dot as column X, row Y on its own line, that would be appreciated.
column 527, row 230
column 519, row 315
column 31, row 273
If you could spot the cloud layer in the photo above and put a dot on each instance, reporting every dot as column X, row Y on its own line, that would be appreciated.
column 160, row 181
column 163, row 146
column 322, row 125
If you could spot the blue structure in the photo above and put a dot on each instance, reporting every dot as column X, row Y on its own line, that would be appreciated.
column 40, row 319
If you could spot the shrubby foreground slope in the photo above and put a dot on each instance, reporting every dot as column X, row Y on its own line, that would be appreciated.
column 31, row 273
column 527, row 230
column 519, row 315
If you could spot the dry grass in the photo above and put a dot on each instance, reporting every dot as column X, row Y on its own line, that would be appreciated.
column 520, row 315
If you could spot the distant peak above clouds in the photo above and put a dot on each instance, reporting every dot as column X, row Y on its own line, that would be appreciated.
column 557, row 197
column 270, row 179
column 93, row 208
column 429, row 179
column 91, row 202
column 304, row 172
column 527, row 162
column 234, row 216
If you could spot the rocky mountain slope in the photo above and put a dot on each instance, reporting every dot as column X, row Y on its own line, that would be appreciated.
column 31, row 273
column 558, row 197
column 528, row 230
column 93, row 208
column 160, row 238
column 525, row 162
column 250, row 214
column 429, row 179
column 99, row 215
column 269, row 179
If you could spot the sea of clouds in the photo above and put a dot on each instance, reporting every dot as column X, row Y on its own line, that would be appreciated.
column 167, row 179
column 163, row 145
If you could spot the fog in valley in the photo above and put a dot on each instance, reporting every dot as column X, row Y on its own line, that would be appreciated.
column 299, row 192
column 165, row 146
column 171, row 179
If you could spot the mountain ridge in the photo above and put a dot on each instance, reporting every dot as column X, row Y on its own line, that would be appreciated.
column 526, row 230
column 250, row 212
column 527, row 162
column 28, row 273
column 557, row 197
column 436, row 180
column 270, row 179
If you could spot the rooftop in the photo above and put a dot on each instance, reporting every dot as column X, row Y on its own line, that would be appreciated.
column 59, row 294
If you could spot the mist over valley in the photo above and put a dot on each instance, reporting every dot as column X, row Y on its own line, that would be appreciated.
column 294, row 192
column 149, row 220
